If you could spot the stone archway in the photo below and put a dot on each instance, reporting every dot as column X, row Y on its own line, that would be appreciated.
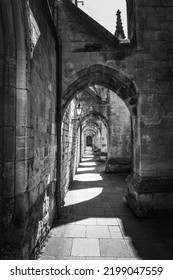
column 100, row 140
column 105, row 76
column 96, row 115
column 116, row 82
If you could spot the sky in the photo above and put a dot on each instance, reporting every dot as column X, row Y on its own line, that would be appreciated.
column 104, row 12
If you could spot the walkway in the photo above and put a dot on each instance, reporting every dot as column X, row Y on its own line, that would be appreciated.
column 97, row 223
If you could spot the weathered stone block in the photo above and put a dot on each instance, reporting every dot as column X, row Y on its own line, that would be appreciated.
column 149, row 197
column 118, row 165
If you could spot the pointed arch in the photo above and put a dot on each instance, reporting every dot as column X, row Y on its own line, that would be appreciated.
column 105, row 76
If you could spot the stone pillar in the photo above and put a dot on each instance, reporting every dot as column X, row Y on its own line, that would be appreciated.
column 150, row 186
column 82, row 144
column 97, row 140
column 119, row 151
column 103, row 139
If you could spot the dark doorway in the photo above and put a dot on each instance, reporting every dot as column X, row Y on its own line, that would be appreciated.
column 89, row 141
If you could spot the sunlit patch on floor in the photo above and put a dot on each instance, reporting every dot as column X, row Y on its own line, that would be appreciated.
column 87, row 164
column 89, row 177
column 79, row 196
column 85, row 169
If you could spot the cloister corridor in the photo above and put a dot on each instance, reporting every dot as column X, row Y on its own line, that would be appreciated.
column 67, row 83
column 96, row 222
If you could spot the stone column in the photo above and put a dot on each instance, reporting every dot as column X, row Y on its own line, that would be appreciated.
column 150, row 189
column 150, row 186
column 119, row 151
column 103, row 139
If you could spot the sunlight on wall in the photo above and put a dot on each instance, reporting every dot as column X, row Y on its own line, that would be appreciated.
column 34, row 32
column 43, row 224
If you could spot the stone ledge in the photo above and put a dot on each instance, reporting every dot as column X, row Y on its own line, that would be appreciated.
column 118, row 165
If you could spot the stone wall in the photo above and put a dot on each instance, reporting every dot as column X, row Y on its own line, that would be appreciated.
column 29, row 127
column 131, row 17
column 42, row 162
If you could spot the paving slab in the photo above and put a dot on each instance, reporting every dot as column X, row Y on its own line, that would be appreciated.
column 115, row 232
column 145, row 249
column 46, row 257
column 84, row 220
column 114, row 248
column 100, row 258
column 97, row 232
column 73, row 231
column 102, row 205
column 57, row 231
column 109, row 213
column 69, row 258
column 78, row 210
column 105, row 221
column 58, row 247
column 95, row 212
column 85, row 247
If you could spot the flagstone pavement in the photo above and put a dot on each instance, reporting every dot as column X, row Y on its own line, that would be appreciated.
column 96, row 222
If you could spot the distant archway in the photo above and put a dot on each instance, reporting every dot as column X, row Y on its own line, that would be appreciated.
column 89, row 141
column 96, row 115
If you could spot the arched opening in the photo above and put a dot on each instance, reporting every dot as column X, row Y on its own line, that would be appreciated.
column 109, row 89
column 96, row 124
column 89, row 141
column 74, row 133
